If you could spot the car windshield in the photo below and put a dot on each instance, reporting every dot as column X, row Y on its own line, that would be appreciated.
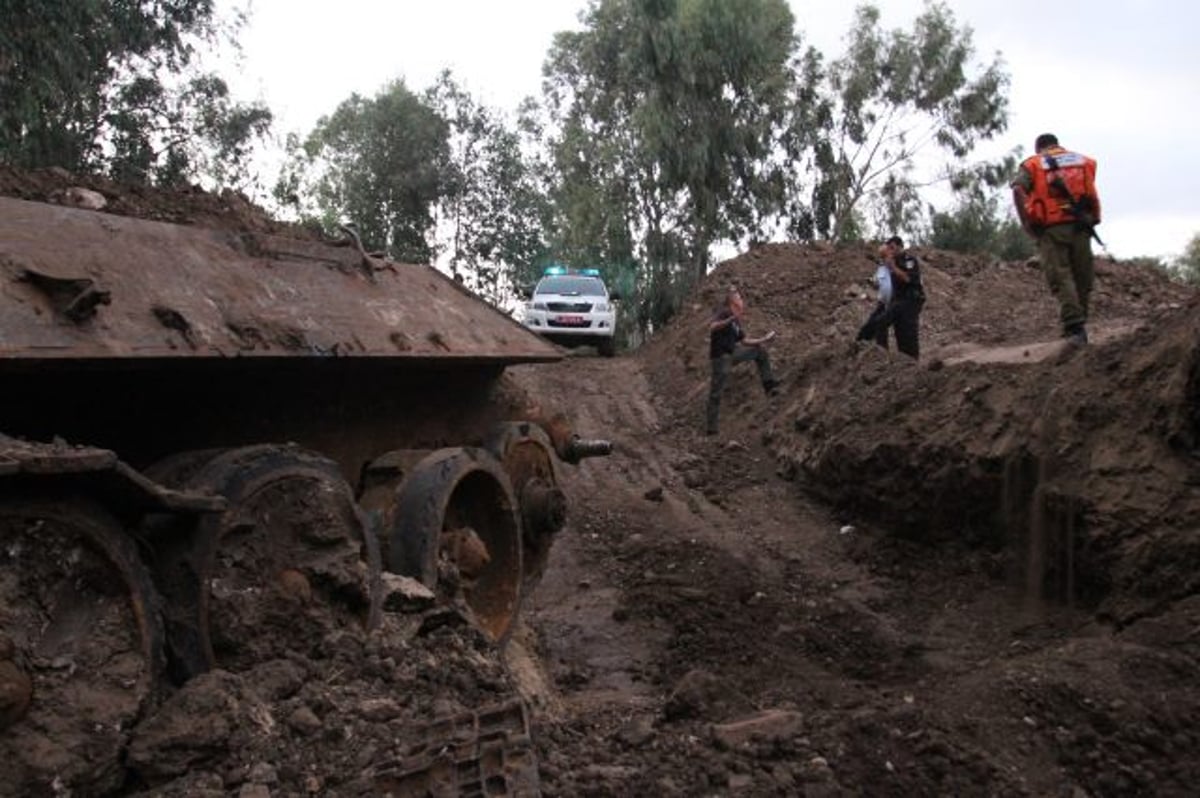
column 571, row 286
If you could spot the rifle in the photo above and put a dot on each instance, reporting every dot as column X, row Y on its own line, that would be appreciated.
column 1079, row 208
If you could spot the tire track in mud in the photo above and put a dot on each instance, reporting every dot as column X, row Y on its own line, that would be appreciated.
column 587, row 656
column 611, row 399
column 592, row 655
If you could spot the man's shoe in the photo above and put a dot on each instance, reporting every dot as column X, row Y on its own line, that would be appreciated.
column 1077, row 335
column 771, row 387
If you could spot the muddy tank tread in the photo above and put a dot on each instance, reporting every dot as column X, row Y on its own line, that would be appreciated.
column 489, row 751
column 83, row 627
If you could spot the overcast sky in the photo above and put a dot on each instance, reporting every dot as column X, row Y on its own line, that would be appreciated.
column 1117, row 80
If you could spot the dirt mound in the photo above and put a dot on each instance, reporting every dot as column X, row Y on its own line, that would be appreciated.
column 225, row 210
column 1002, row 435
column 818, row 296
column 1002, row 432
column 345, row 715
column 972, row 575
column 1003, row 598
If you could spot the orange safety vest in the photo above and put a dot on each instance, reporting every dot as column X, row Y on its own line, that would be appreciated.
column 1045, row 204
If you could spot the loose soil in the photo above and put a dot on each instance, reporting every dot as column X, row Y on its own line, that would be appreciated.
column 976, row 574
column 969, row 575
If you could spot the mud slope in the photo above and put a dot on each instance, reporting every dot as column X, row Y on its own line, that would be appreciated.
column 1002, row 434
column 993, row 592
column 971, row 576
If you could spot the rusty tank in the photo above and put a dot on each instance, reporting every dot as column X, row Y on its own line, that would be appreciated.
column 191, row 415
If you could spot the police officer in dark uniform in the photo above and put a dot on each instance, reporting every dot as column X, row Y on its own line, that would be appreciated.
column 908, row 297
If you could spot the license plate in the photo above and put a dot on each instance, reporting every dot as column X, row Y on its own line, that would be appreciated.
column 569, row 319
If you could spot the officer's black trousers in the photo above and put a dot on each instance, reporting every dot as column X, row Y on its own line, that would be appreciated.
column 904, row 316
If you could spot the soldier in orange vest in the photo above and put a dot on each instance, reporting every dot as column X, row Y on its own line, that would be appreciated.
column 1056, row 199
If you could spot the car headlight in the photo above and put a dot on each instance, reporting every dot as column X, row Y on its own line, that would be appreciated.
column 539, row 306
column 600, row 307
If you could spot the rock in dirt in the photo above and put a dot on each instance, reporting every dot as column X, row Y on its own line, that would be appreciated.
column 773, row 724
column 304, row 721
column 276, row 679
column 699, row 695
column 80, row 197
column 192, row 728
column 405, row 594
column 379, row 710
column 636, row 733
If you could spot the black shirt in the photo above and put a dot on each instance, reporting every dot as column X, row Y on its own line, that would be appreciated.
column 911, row 267
column 723, row 340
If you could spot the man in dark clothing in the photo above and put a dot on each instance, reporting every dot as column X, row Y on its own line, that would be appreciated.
column 908, row 297
column 727, row 344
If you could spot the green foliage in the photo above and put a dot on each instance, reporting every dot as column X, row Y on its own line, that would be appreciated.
column 430, row 177
column 667, row 116
column 890, row 98
column 717, row 103
column 113, row 85
column 379, row 163
column 1187, row 265
column 165, row 135
column 982, row 220
column 492, row 206
column 978, row 227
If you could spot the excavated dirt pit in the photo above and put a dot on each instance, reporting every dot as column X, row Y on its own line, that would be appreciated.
column 973, row 575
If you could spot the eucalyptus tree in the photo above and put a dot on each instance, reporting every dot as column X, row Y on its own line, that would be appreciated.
column 668, row 116
column 720, row 93
column 491, row 208
column 115, row 85
column 982, row 218
column 1187, row 266
column 379, row 163
column 892, row 104
column 980, row 221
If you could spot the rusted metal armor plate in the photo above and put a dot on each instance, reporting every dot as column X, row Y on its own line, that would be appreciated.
column 78, row 284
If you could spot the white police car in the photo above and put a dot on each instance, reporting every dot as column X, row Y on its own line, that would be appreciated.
column 573, row 307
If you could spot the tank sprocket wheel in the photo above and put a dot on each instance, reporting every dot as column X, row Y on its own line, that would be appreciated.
column 455, row 528
column 81, row 645
column 289, row 562
column 528, row 458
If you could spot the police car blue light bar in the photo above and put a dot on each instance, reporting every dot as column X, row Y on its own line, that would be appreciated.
column 555, row 270
column 590, row 272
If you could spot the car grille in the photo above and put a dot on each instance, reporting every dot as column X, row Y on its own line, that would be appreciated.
column 570, row 307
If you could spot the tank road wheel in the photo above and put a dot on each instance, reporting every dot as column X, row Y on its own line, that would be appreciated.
column 287, row 563
column 81, row 646
column 527, row 455
column 455, row 528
